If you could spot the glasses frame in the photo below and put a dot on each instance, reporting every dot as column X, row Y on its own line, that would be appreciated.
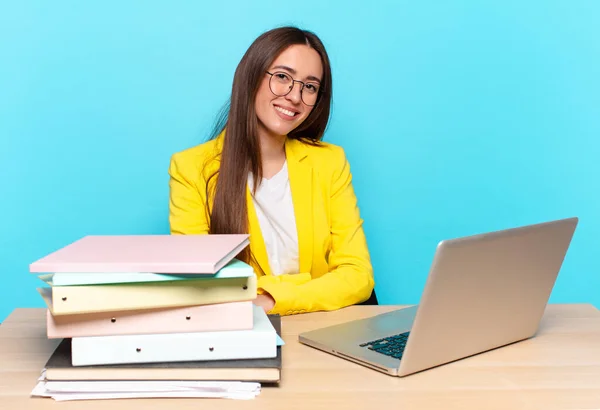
column 302, row 85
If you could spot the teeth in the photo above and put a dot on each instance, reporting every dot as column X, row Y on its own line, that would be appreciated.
column 286, row 112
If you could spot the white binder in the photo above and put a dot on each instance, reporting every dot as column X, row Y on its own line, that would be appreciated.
column 258, row 343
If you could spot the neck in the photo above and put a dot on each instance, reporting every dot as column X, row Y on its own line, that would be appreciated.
column 272, row 152
column 272, row 147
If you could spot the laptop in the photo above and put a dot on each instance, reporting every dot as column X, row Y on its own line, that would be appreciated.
column 483, row 292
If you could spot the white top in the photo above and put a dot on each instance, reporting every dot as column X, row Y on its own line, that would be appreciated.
column 275, row 213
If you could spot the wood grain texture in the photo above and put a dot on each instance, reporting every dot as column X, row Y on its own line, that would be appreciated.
column 558, row 369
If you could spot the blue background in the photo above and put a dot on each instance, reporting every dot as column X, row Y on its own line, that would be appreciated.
column 457, row 117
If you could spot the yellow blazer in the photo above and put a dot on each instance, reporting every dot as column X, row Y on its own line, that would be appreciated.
column 335, row 265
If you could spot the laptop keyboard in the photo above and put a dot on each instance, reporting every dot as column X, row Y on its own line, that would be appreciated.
column 390, row 346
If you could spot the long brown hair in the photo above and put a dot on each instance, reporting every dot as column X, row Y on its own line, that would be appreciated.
column 241, row 146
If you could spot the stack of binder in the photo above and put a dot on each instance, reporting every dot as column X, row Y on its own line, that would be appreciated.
column 156, row 307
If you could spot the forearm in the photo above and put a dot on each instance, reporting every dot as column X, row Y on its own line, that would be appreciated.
column 344, row 286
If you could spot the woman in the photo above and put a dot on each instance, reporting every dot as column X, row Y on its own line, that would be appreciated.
column 267, row 173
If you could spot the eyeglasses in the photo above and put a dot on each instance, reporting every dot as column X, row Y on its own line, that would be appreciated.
column 281, row 84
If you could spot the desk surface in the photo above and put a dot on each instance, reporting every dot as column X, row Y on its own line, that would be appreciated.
column 560, row 368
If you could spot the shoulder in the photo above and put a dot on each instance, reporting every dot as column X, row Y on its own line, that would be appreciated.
column 327, row 151
column 324, row 155
column 201, row 152
column 191, row 162
column 327, row 159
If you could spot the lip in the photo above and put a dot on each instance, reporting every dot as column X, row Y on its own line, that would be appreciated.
column 282, row 115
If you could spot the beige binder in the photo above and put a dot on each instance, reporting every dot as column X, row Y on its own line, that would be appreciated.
column 63, row 300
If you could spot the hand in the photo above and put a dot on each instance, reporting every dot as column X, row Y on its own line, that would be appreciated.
column 265, row 301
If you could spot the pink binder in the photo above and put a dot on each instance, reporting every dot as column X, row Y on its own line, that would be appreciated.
column 199, row 254
column 208, row 318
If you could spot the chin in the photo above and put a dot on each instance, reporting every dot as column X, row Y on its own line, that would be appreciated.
column 281, row 129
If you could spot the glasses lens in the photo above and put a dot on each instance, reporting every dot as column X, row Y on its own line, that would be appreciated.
column 281, row 84
column 310, row 93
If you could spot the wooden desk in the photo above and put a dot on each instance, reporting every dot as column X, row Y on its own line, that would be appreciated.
column 560, row 368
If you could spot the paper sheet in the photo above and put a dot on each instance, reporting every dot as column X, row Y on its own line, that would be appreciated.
column 102, row 390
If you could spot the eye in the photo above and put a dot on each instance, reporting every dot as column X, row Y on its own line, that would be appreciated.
column 312, row 88
column 282, row 77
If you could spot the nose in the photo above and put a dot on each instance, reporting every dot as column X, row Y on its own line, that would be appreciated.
column 295, row 96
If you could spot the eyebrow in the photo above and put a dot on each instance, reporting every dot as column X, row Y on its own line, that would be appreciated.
column 291, row 70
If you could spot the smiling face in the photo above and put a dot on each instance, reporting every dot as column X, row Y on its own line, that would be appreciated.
column 279, row 115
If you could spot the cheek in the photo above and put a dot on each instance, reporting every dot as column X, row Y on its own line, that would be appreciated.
column 307, row 112
column 263, row 98
column 261, row 103
column 264, row 94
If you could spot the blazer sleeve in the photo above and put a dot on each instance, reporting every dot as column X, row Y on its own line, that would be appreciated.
column 349, row 279
column 188, row 212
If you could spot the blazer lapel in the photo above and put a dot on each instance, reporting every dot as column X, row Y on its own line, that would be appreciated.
column 301, row 179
